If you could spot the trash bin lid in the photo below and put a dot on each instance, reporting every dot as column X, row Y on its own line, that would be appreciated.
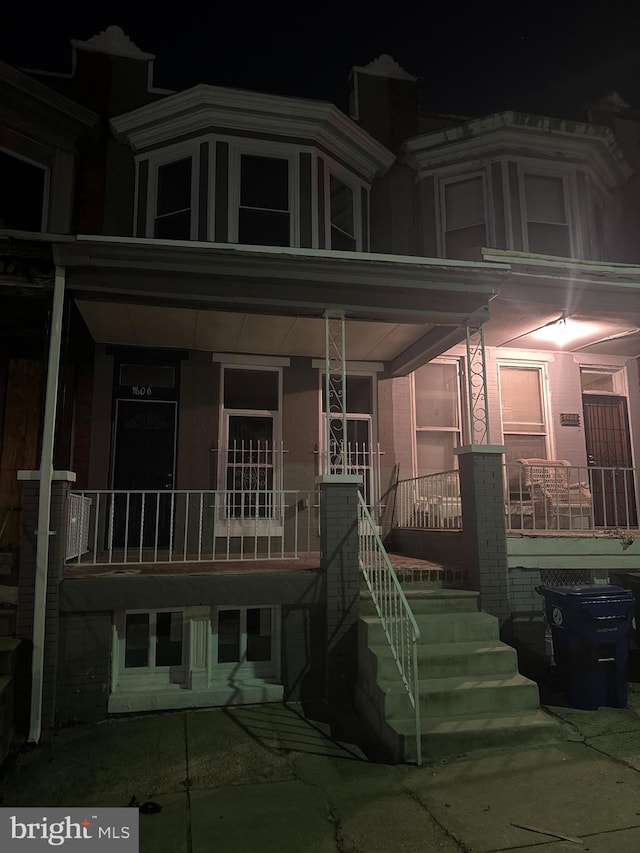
column 586, row 591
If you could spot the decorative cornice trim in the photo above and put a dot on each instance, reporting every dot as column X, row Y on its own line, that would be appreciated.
column 385, row 66
column 517, row 133
column 114, row 42
column 204, row 107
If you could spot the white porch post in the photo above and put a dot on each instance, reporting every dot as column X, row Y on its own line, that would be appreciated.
column 44, row 508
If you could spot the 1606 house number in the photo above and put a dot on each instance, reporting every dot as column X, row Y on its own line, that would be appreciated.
column 141, row 390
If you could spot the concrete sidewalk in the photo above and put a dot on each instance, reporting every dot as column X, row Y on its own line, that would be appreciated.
column 267, row 779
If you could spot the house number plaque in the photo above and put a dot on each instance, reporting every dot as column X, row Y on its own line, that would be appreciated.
column 569, row 419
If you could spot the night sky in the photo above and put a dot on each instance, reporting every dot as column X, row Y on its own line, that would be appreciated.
column 549, row 58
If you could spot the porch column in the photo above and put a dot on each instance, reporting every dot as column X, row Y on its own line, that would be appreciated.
column 339, row 561
column 27, row 615
column 483, row 527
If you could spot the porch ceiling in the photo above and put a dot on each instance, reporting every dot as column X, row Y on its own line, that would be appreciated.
column 400, row 310
column 238, row 332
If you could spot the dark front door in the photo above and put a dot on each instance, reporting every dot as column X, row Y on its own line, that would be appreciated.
column 609, row 451
column 143, row 467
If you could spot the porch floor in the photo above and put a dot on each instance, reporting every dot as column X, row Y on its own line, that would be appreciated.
column 308, row 561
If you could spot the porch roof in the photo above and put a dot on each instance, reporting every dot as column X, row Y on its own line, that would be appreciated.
column 401, row 310
column 601, row 300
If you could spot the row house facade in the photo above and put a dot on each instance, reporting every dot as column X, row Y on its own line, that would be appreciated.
column 216, row 300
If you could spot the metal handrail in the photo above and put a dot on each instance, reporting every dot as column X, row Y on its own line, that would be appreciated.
column 432, row 501
column 397, row 619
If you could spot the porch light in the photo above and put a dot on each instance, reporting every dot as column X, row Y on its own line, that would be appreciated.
column 564, row 331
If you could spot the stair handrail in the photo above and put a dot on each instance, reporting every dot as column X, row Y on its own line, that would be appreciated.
column 396, row 617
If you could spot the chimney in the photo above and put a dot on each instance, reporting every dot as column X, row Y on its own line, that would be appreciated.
column 383, row 98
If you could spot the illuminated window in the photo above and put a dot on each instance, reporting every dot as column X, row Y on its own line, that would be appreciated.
column 436, row 394
column 524, row 420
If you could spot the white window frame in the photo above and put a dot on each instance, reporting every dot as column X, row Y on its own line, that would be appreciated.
column 46, row 187
column 221, row 672
column 545, row 402
column 289, row 153
column 356, row 186
column 460, row 430
column 568, row 177
column 162, row 157
column 619, row 374
column 147, row 677
column 441, row 209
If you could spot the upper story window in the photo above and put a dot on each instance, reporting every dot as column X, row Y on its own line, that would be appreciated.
column 546, row 219
column 22, row 198
column 264, row 209
column 464, row 220
column 173, row 200
column 172, row 194
column 342, row 215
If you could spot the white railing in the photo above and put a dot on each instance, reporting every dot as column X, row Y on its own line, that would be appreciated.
column 79, row 514
column 431, row 502
column 129, row 527
column 553, row 495
column 390, row 602
column 362, row 459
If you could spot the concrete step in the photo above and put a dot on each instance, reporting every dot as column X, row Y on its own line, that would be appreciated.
column 8, row 651
column 452, row 660
column 454, row 737
column 441, row 628
column 463, row 697
column 7, row 621
column 430, row 601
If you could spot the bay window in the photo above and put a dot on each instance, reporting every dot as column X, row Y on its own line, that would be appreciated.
column 464, row 218
column 264, row 209
column 546, row 216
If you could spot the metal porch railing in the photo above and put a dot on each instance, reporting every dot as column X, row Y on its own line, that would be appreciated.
column 430, row 502
column 129, row 527
column 554, row 495
column 390, row 602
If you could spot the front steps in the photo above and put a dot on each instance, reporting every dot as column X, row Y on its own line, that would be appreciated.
column 472, row 696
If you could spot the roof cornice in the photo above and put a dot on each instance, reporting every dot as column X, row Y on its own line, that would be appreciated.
column 204, row 107
column 519, row 133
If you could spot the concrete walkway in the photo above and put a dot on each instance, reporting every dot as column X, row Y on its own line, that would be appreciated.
column 267, row 779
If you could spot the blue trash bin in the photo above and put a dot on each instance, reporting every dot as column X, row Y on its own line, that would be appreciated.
column 590, row 629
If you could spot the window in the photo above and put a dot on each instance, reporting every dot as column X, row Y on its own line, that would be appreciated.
column 173, row 200
column 547, row 223
column 436, row 394
column 251, row 461
column 264, row 215
column 153, row 639
column 245, row 638
column 342, row 214
column 23, row 194
column 464, row 218
column 524, row 420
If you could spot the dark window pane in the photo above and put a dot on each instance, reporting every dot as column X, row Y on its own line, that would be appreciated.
column 547, row 239
column 263, row 228
column 341, row 209
column 258, row 633
column 228, row 636
column 169, row 639
column 176, row 226
column 136, row 640
column 359, row 395
column 147, row 374
column 21, row 194
column 341, row 241
column 466, row 244
column 264, row 182
column 251, row 389
column 174, row 187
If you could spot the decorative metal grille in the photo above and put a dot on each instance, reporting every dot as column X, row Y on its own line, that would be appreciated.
column 336, row 392
column 477, row 386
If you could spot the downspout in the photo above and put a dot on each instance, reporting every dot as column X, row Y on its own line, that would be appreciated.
column 44, row 509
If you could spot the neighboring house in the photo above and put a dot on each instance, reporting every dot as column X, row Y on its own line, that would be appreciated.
column 220, row 252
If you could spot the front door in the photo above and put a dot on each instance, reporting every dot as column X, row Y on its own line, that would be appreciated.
column 143, row 467
column 609, row 451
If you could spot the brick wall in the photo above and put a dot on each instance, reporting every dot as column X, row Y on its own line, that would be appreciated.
column 84, row 667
